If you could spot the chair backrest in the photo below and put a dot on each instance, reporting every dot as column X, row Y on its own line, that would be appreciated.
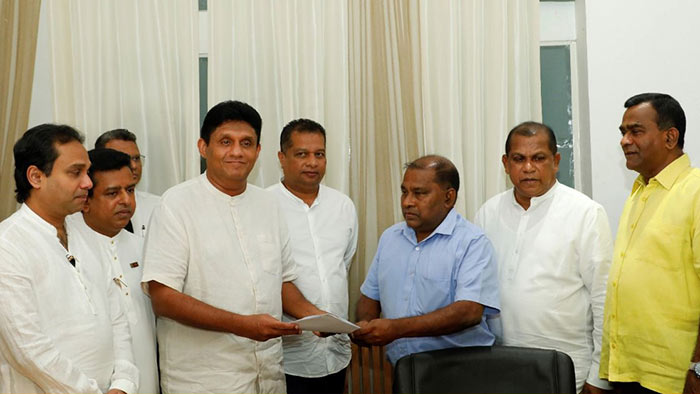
column 497, row 369
column 369, row 371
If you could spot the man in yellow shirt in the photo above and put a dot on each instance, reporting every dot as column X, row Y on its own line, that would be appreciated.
column 653, row 298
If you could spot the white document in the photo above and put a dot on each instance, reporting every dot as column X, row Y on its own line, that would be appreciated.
column 326, row 323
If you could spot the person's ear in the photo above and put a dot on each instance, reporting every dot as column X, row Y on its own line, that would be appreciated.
column 450, row 197
column 672, row 135
column 35, row 176
column 202, row 146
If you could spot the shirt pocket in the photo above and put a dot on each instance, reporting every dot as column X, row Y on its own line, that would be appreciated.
column 269, row 254
column 665, row 245
column 433, row 284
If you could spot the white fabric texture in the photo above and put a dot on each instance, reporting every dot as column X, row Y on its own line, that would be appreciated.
column 323, row 239
column 61, row 327
column 145, row 204
column 289, row 60
column 390, row 80
column 553, row 263
column 130, row 64
column 123, row 254
column 232, row 253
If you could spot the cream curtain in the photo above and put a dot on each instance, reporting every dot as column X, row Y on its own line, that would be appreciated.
column 19, row 24
column 131, row 64
column 437, row 76
column 288, row 59
column 395, row 78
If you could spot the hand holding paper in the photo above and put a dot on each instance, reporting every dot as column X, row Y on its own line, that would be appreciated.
column 326, row 323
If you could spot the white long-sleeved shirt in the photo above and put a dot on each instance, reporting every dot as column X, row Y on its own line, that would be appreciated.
column 323, row 238
column 145, row 204
column 61, row 327
column 123, row 255
column 232, row 253
column 553, row 263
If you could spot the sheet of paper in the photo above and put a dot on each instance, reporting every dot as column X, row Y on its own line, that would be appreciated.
column 326, row 323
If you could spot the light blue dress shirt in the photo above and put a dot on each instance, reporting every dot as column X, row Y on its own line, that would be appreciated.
column 456, row 262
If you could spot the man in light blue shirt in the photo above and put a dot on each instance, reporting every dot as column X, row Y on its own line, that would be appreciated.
column 434, row 276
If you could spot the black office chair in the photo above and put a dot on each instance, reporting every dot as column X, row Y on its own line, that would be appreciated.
column 497, row 369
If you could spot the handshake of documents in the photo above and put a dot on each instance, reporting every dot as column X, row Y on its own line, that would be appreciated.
column 327, row 322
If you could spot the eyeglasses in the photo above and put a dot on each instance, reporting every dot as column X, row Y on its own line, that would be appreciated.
column 138, row 159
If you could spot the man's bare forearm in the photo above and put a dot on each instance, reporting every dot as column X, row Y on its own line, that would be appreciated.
column 170, row 303
column 295, row 304
column 447, row 320
column 367, row 309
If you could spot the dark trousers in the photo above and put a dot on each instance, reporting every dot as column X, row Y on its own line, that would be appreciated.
column 630, row 388
column 334, row 383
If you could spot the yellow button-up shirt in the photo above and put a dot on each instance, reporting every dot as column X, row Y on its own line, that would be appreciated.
column 653, row 298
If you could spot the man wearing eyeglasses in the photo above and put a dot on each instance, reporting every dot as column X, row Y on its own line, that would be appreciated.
column 125, row 141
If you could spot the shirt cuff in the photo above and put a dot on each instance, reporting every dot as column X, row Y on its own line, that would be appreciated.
column 596, row 381
column 124, row 385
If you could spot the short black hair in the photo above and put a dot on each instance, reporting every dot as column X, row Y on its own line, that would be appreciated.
column 37, row 147
column 116, row 134
column 446, row 173
column 669, row 112
column 106, row 160
column 230, row 111
column 529, row 129
column 303, row 126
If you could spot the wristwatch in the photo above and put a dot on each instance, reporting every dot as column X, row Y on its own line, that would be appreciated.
column 695, row 367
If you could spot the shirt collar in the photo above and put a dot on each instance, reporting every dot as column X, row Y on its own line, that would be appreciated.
column 43, row 225
column 218, row 193
column 668, row 176
column 535, row 201
column 298, row 200
column 446, row 227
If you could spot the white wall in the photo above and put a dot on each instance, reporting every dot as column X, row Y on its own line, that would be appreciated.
column 636, row 46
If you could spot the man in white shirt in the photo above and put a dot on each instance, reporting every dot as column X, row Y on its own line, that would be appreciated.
column 323, row 231
column 219, row 270
column 61, row 325
column 553, row 247
column 125, row 141
column 109, row 207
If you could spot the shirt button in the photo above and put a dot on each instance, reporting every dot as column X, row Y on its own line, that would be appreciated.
column 612, row 316
column 612, row 345
column 115, row 257
column 614, row 284
column 417, row 248
column 622, row 254
column 633, row 226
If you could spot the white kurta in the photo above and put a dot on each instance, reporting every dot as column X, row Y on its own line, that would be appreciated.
column 123, row 255
column 553, row 262
column 61, row 327
column 232, row 253
column 145, row 204
column 324, row 239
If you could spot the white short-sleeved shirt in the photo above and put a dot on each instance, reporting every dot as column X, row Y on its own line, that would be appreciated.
column 61, row 326
column 145, row 204
column 232, row 253
column 324, row 239
column 123, row 255
column 553, row 262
